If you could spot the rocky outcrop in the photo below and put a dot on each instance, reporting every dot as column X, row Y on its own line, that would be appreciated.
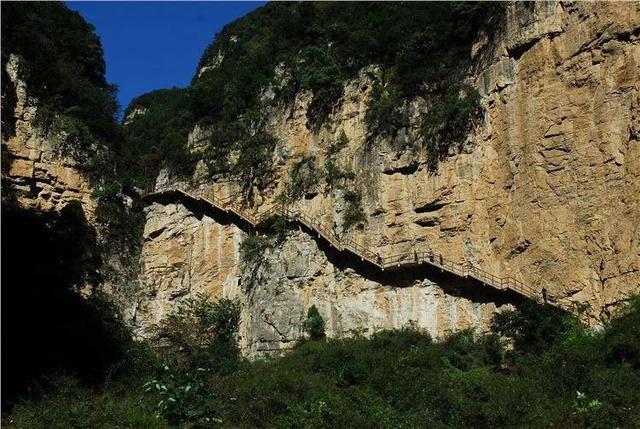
column 34, row 171
column 546, row 190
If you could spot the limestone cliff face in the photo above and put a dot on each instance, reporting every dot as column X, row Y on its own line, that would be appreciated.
column 559, row 158
column 546, row 189
column 41, row 177
column 187, row 252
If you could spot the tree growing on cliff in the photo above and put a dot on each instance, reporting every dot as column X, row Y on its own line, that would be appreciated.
column 314, row 324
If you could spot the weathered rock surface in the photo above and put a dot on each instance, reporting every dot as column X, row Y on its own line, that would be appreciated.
column 187, row 254
column 33, row 168
column 546, row 190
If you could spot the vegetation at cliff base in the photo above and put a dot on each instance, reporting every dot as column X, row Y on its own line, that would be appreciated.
column 538, row 368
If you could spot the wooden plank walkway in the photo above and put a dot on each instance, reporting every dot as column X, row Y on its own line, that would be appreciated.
column 384, row 263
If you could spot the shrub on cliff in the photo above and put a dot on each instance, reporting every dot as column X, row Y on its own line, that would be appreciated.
column 303, row 176
column 252, row 248
column 353, row 212
column 451, row 116
column 254, row 166
column 334, row 174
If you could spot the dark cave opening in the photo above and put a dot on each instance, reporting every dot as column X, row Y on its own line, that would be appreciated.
column 47, row 326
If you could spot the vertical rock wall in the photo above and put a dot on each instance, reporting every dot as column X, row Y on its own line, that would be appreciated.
column 546, row 190
column 188, row 252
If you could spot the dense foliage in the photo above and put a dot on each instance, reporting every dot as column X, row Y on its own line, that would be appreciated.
column 335, row 174
column 556, row 374
column 252, row 248
column 156, row 133
column 322, row 44
column 199, row 340
column 318, row 46
column 198, row 329
column 303, row 177
column 271, row 54
column 63, row 66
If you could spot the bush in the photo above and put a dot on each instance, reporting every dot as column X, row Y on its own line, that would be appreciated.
column 533, row 328
column 221, row 142
column 319, row 71
column 200, row 341
column 353, row 213
column 335, row 175
column 252, row 248
column 385, row 114
column 448, row 120
column 314, row 324
column 254, row 162
column 201, row 333
column 123, row 224
column 184, row 397
column 338, row 145
column 303, row 176
column 277, row 225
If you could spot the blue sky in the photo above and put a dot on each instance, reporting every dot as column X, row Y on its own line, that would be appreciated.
column 152, row 45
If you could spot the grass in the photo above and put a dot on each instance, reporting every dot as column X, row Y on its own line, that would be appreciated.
column 71, row 405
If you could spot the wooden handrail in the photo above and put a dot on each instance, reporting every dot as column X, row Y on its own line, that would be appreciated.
column 467, row 270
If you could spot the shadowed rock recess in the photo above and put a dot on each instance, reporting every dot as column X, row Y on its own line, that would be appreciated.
column 544, row 187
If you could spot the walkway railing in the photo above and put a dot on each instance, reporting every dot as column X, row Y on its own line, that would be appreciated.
column 404, row 260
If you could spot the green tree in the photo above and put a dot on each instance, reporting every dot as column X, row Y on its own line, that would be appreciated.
column 303, row 176
column 314, row 324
